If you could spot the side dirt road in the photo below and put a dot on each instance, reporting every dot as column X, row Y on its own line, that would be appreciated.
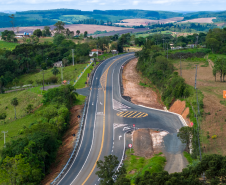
column 66, row 148
column 155, row 142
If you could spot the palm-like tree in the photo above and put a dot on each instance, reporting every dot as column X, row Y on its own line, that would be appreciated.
column 14, row 102
column 55, row 71
column 78, row 32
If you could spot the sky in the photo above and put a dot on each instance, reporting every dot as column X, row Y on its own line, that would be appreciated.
column 167, row 5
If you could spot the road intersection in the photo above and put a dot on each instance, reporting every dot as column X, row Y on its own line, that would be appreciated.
column 108, row 118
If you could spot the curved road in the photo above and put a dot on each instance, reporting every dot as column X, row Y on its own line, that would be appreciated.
column 108, row 117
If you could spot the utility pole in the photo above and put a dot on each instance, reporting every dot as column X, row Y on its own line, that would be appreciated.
column 167, row 50
column 4, row 132
column 62, row 72
column 97, row 52
column 73, row 57
column 43, row 79
column 197, row 114
column 180, row 68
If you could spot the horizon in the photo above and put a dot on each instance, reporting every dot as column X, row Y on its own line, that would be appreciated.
column 90, row 5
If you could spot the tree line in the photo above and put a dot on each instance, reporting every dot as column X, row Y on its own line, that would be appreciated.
column 26, row 159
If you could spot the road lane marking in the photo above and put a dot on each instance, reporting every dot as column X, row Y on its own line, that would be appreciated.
column 132, row 114
column 102, row 142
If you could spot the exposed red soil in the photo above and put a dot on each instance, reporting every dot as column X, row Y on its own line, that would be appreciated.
column 66, row 148
column 139, row 95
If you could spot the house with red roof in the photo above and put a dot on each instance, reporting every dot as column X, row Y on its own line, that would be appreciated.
column 96, row 51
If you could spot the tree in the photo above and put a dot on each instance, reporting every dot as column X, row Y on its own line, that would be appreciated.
column 59, row 27
column 185, row 134
column 213, row 43
column 78, row 32
column 15, row 81
column 12, row 17
column 8, row 35
column 107, row 169
column 65, row 61
column 47, row 31
column 34, row 39
column 37, row 32
column 3, row 116
column 58, row 39
column 55, row 71
column 14, row 102
column 85, row 34
column 29, row 108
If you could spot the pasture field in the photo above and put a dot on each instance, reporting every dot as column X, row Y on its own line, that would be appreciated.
column 7, row 45
column 214, row 117
column 69, row 73
column 136, row 165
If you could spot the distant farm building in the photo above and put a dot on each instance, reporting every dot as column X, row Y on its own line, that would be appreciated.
column 114, row 51
column 95, row 51
column 57, row 64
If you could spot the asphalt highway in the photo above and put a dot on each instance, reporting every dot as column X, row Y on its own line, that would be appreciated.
column 108, row 118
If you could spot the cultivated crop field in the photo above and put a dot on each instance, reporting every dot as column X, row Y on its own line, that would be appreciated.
column 7, row 45
column 200, row 20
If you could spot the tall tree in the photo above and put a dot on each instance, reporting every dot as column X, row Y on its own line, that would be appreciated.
column 78, row 32
column 107, row 169
column 185, row 135
column 14, row 102
column 12, row 21
column 85, row 34
column 59, row 27
column 37, row 32
column 55, row 71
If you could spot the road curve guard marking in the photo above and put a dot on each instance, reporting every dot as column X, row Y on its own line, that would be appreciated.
column 132, row 114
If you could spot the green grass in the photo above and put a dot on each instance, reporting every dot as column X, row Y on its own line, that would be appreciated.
column 15, row 126
column 7, row 45
column 49, row 39
column 136, row 165
column 188, row 157
column 24, row 98
column 69, row 73
column 143, row 84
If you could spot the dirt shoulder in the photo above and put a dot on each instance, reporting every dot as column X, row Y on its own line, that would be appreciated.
column 139, row 95
column 66, row 148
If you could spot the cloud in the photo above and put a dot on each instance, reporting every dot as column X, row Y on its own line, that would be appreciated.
column 136, row 2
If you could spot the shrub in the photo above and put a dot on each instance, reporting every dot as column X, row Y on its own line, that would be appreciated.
column 214, row 136
column 53, row 79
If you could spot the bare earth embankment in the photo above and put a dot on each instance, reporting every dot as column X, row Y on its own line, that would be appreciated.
column 66, row 148
column 139, row 95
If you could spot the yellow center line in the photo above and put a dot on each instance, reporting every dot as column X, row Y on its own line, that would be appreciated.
column 132, row 114
column 102, row 142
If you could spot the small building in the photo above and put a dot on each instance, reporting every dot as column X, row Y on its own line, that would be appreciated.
column 57, row 64
column 95, row 51
column 190, row 45
column 114, row 51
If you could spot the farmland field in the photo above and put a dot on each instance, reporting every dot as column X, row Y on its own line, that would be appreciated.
column 73, row 27
column 214, row 118
column 7, row 45
column 200, row 20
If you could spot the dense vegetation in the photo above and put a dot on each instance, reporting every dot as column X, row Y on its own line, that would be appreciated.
column 27, row 158
column 213, row 166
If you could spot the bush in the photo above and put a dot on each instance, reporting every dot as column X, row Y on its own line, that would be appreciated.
column 53, row 79
column 214, row 136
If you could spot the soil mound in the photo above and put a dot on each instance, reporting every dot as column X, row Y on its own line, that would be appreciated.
column 142, row 143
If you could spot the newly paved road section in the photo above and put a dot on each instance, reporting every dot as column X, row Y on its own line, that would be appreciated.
column 108, row 118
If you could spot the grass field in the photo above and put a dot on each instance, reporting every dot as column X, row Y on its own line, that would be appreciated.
column 136, row 165
column 7, row 45
column 69, row 73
